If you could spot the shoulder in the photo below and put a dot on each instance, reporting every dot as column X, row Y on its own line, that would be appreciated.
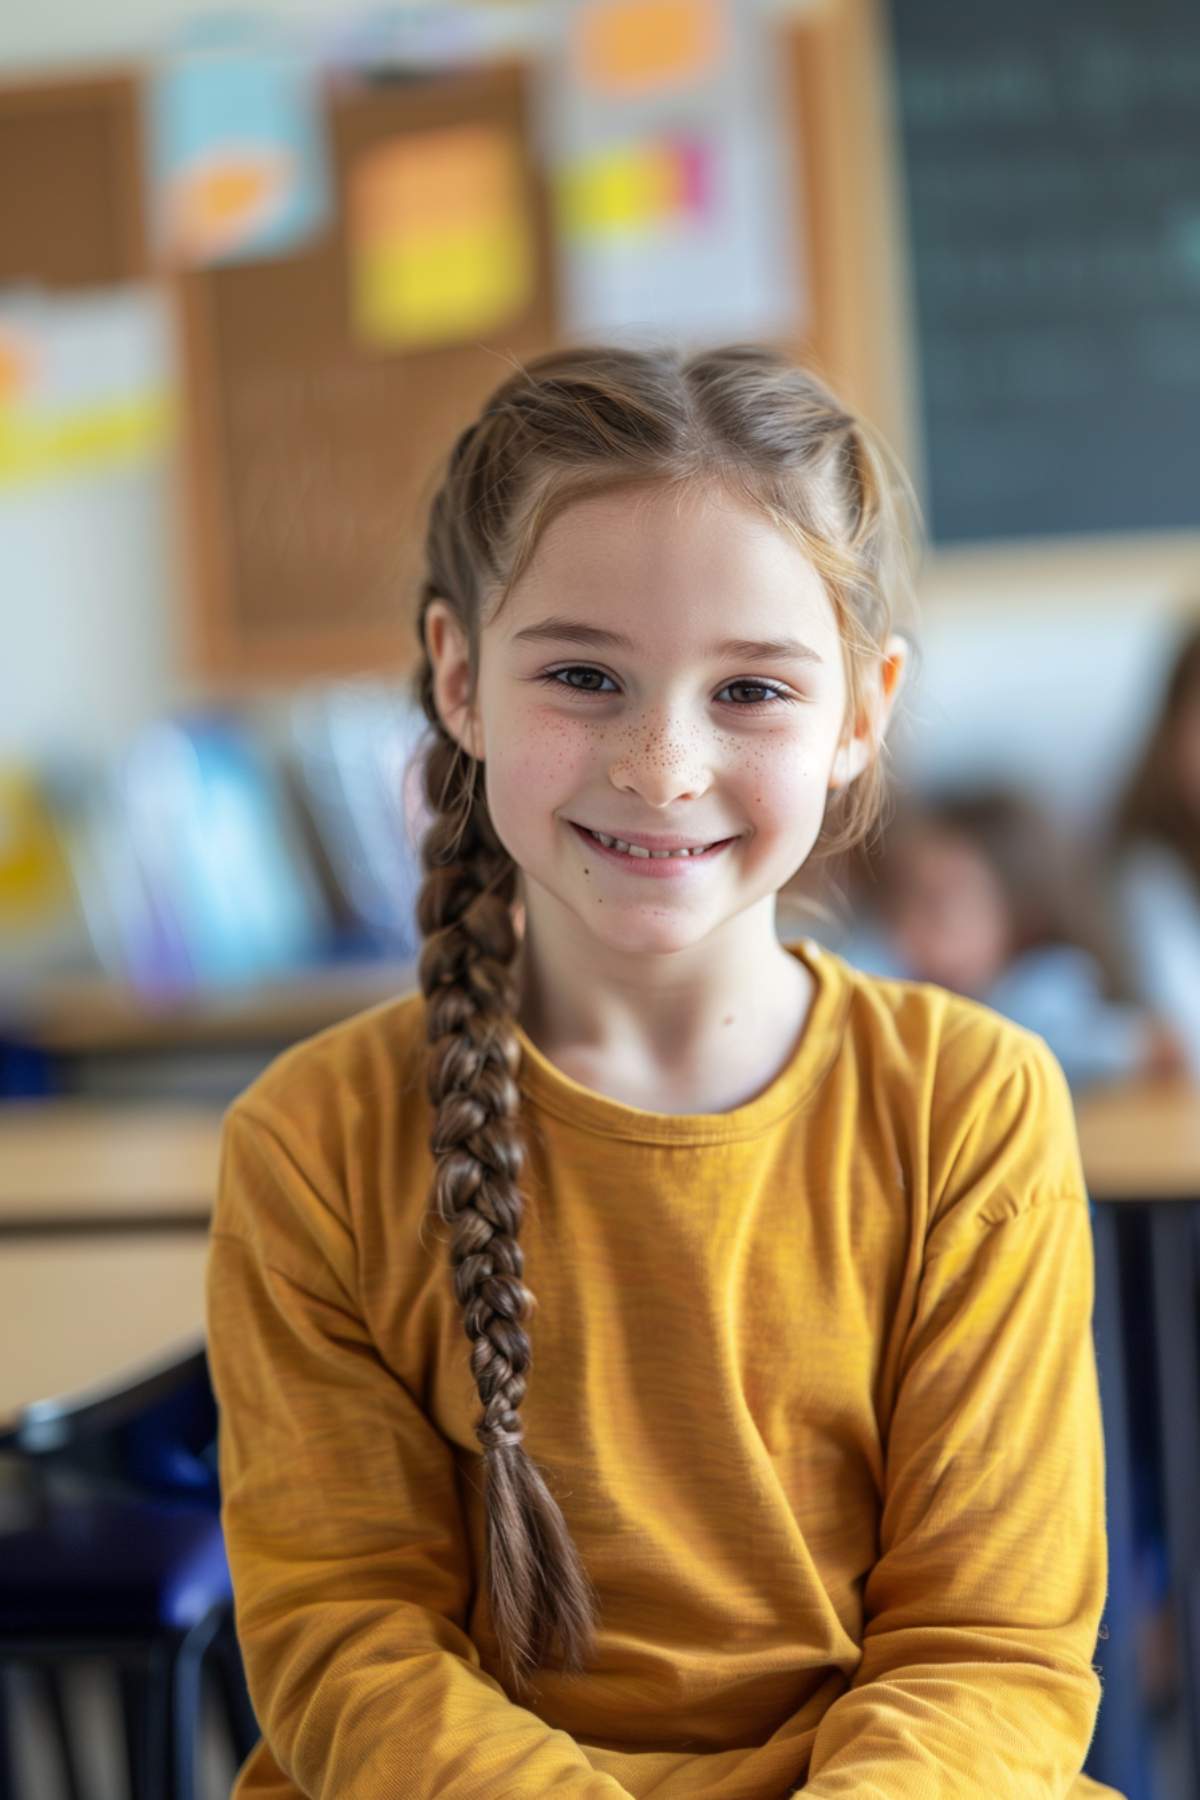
column 985, row 1101
column 928, row 1032
column 304, row 1141
column 368, row 1058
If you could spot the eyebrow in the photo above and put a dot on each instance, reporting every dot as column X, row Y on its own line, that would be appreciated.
column 569, row 631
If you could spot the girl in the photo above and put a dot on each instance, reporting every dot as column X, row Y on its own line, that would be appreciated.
column 1156, row 844
column 775, row 1462
column 977, row 891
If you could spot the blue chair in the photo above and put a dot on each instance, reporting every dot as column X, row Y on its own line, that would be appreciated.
column 121, row 1555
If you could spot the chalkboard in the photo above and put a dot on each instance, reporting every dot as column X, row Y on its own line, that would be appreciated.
column 1052, row 180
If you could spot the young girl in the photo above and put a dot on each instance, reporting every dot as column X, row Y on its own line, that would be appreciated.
column 978, row 891
column 1156, row 843
column 774, row 1461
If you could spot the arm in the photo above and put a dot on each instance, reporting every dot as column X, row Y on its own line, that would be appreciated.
column 983, row 1608
column 345, row 1536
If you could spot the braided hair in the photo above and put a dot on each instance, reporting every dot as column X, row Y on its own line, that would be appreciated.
column 569, row 424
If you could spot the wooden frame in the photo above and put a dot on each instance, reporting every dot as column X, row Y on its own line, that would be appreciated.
column 835, row 56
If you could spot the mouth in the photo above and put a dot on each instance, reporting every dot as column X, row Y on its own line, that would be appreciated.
column 641, row 856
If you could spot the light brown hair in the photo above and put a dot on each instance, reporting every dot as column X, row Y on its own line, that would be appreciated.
column 1155, row 804
column 570, row 424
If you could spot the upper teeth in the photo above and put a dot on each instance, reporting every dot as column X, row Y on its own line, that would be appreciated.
column 617, row 843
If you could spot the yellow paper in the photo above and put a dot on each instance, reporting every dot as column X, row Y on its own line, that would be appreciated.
column 441, row 246
column 622, row 190
column 40, row 446
column 626, row 47
column 33, row 873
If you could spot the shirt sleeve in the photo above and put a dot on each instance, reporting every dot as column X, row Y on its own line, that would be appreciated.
column 983, row 1608
column 343, row 1525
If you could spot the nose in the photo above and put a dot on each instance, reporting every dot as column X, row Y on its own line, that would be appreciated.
column 662, row 761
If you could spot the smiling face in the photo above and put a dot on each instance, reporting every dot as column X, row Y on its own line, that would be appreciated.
column 619, row 689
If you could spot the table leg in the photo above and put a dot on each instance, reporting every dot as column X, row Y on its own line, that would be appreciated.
column 1119, row 1753
column 1174, row 1229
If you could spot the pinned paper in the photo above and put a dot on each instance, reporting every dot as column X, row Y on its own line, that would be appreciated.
column 19, row 361
column 636, row 187
column 441, row 243
column 669, row 152
column 627, row 47
column 86, row 382
column 239, row 167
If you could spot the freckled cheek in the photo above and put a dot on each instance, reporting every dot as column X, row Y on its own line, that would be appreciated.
column 540, row 763
column 782, row 785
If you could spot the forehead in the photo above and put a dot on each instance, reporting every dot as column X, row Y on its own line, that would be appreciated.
column 658, row 558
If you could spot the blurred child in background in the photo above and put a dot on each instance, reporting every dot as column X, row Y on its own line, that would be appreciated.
column 974, row 891
column 1156, row 852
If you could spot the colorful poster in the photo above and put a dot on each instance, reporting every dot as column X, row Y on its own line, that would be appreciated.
column 87, row 382
column 663, row 123
column 238, row 164
column 441, row 244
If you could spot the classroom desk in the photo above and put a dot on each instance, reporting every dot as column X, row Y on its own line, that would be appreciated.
column 1141, row 1140
column 104, row 1215
column 1141, row 1153
column 88, row 1316
column 67, row 1164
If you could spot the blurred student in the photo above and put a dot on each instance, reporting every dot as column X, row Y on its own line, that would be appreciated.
column 1156, row 854
column 973, row 891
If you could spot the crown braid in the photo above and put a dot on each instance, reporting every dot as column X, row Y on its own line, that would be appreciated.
column 538, row 1589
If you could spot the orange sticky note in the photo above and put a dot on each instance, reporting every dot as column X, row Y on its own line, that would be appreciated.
column 441, row 244
column 19, row 366
column 624, row 47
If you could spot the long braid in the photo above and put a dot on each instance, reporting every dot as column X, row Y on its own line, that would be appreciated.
column 538, row 1589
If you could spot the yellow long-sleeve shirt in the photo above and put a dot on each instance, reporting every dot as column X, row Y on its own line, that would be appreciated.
column 813, row 1382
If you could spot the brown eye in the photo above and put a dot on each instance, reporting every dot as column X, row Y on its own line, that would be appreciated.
column 551, row 677
column 759, row 688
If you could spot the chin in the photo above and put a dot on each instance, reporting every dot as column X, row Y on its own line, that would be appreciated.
column 647, row 936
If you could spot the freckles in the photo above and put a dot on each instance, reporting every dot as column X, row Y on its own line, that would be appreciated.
column 549, row 747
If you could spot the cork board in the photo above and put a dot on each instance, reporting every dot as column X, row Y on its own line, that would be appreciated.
column 71, row 194
column 310, row 459
column 311, row 454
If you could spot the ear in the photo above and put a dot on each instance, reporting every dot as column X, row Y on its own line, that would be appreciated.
column 861, row 746
column 449, row 655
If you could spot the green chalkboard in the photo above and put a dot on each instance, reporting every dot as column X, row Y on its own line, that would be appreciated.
column 1051, row 155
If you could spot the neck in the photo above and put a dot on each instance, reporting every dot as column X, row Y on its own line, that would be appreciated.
column 734, row 1000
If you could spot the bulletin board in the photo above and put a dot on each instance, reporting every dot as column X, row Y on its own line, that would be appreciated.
column 310, row 451
column 71, row 182
column 311, row 460
column 308, row 456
